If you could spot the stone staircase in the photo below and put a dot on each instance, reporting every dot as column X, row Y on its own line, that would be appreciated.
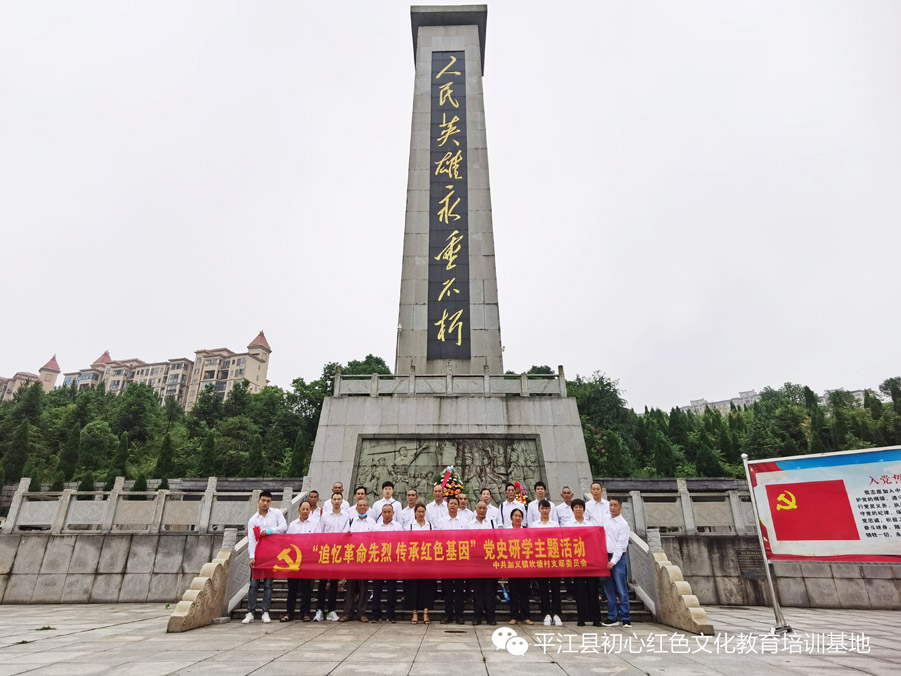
column 280, row 597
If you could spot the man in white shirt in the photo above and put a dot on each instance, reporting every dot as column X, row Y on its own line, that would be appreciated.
column 338, row 487
column 564, row 509
column 331, row 521
column 302, row 525
column 616, row 586
column 533, row 513
column 493, row 512
column 464, row 510
column 357, row 591
column 359, row 494
column 386, row 524
column 408, row 515
column 484, row 589
column 316, row 510
column 386, row 499
column 453, row 588
column 270, row 522
column 597, row 508
column 508, row 505
column 437, row 509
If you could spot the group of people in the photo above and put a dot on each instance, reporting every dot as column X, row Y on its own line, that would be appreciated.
column 448, row 513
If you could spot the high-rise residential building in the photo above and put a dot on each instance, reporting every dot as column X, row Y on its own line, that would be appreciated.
column 698, row 406
column 46, row 376
column 181, row 377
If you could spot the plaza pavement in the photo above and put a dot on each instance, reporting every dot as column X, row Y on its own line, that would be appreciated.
column 131, row 639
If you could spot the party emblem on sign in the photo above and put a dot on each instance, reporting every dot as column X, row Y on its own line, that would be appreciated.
column 285, row 556
column 787, row 501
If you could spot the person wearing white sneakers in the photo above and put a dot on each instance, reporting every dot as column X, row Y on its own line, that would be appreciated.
column 270, row 522
column 616, row 587
column 551, row 605
column 331, row 521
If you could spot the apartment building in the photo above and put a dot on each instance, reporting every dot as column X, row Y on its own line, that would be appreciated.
column 46, row 376
column 181, row 377
column 698, row 406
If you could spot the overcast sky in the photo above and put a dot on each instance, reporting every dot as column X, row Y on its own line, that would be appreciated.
column 693, row 197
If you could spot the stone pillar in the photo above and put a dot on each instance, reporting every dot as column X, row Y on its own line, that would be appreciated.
column 561, row 380
column 287, row 498
column 641, row 526
column 374, row 385
column 738, row 514
column 688, row 515
column 206, row 505
column 159, row 504
column 524, row 385
column 16, row 504
column 62, row 510
column 229, row 538
column 112, row 503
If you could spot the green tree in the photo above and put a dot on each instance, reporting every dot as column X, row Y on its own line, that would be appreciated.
column 86, row 485
column 58, row 483
column 205, row 414
column 541, row 370
column 891, row 388
column 256, row 464
column 172, row 411
column 165, row 460
column 28, row 403
column 238, row 400
column 96, row 445
column 34, row 471
column 140, row 486
column 17, row 454
column 207, row 464
column 665, row 459
column 371, row 364
column 69, row 453
column 136, row 411
column 299, row 460
column 706, row 462
column 615, row 461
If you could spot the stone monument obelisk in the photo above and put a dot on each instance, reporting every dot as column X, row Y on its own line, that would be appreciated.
column 449, row 402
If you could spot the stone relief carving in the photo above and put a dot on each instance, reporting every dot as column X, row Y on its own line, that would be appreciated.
column 481, row 463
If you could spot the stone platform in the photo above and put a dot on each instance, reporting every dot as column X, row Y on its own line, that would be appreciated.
column 131, row 639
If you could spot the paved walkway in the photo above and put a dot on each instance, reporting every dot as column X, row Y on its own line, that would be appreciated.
column 132, row 640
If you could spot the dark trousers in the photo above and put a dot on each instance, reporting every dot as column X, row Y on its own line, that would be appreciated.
column 306, row 596
column 550, row 595
column 587, row 605
column 453, row 598
column 519, row 597
column 484, row 598
column 391, row 604
column 355, row 607
column 327, row 599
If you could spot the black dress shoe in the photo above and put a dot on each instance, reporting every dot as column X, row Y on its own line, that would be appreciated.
column 491, row 622
column 580, row 624
column 596, row 624
column 477, row 622
column 460, row 620
column 447, row 620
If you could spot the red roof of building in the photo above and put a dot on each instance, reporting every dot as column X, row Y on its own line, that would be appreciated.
column 103, row 359
column 51, row 365
column 261, row 341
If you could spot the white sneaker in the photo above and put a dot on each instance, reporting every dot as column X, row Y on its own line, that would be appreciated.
column 332, row 616
column 318, row 616
column 547, row 620
column 610, row 623
column 248, row 618
column 557, row 621
column 266, row 619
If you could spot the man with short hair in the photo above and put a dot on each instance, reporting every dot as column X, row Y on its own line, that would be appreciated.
column 387, row 499
column 453, row 588
column 269, row 522
column 508, row 505
column 616, row 586
column 338, row 487
column 386, row 524
column 564, row 509
column 437, row 509
column 408, row 515
column 484, row 589
column 540, row 494
column 333, row 521
column 315, row 509
column 302, row 525
column 464, row 510
column 597, row 509
column 493, row 512
column 359, row 494
column 357, row 591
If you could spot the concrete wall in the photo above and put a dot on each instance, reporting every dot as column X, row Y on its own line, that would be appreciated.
column 710, row 564
column 44, row 568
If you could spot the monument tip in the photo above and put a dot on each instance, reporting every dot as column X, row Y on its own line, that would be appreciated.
column 450, row 15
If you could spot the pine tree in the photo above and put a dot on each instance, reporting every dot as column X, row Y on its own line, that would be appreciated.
column 68, row 455
column 139, row 486
column 299, row 459
column 164, row 485
column 33, row 471
column 86, row 484
column 706, row 462
column 207, row 464
column 256, row 463
column 120, row 459
column 166, row 460
column 665, row 461
column 58, row 483
column 615, row 462
column 17, row 453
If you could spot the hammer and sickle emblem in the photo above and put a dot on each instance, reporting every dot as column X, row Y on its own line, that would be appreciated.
column 285, row 556
column 787, row 500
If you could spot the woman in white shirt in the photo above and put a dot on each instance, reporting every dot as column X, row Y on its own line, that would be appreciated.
column 419, row 593
column 588, row 606
column 519, row 586
column 549, row 586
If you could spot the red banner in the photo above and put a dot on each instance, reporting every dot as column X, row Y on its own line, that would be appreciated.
column 539, row 552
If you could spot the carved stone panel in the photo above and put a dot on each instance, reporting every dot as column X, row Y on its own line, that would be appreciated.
column 481, row 463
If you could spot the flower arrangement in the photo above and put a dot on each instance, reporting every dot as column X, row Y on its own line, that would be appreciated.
column 520, row 493
column 451, row 482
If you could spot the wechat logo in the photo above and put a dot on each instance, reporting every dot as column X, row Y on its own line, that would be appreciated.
column 505, row 637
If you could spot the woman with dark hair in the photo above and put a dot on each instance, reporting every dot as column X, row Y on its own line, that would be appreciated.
column 585, row 589
column 519, row 586
column 551, row 606
column 419, row 593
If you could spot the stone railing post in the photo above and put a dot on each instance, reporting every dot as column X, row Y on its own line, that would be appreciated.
column 112, row 502
column 206, row 505
column 641, row 524
column 374, row 385
column 487, row 381
column 287, row 499
column 159, row 504
column 229, row 538
column 62, row 511
column 561, row 380
column 688, row 515
column 412, row 388
column 524, row 385
column 337, row 388
column 16, row 505
column 738, row 514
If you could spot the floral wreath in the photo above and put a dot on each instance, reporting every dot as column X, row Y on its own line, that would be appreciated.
column 451, row 482
column 520, row 493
